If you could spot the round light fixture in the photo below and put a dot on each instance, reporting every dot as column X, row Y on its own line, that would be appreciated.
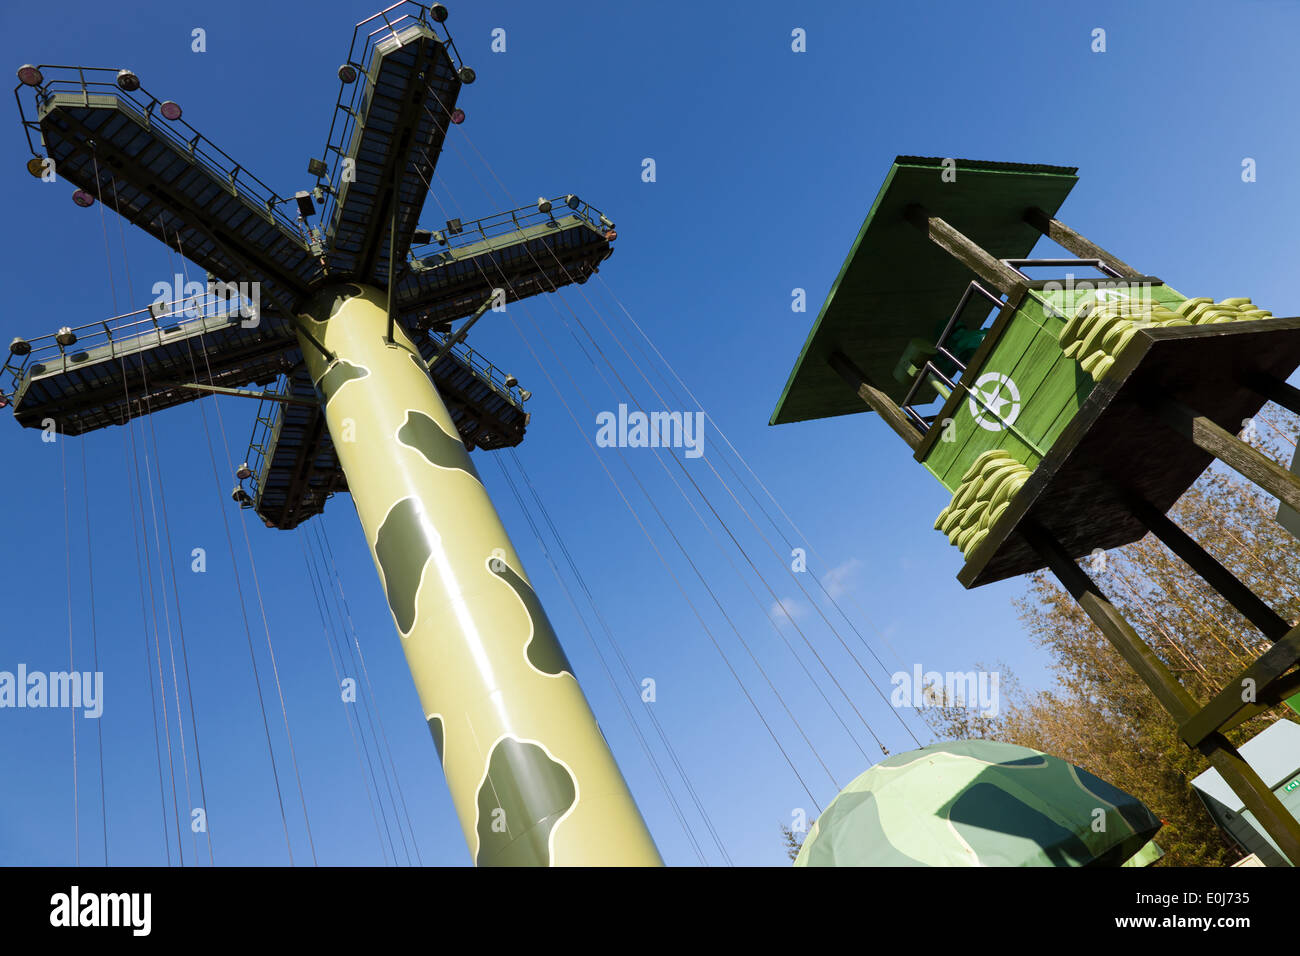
column 458, row 116
column 36, row 166
column 83, row 198
column 466, row 75
column 543, row 204
column 170, row 110
column 66, row 337
column 127, row 81
column 348, row 73
column 30, row 75
column 20, row 347
column 439, row 12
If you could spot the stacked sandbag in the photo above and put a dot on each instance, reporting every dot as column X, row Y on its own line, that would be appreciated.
column 1098, row 332
column 983, row 495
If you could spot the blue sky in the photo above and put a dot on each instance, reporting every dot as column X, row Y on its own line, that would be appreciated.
column 766, row 161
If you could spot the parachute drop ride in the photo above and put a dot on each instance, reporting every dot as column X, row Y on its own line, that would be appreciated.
column 979, row 803
column 373, row 393
column 1063, row 414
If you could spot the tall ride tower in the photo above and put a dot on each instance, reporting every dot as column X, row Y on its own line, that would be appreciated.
column 373, row 393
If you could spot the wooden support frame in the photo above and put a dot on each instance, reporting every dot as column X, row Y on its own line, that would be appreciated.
column 1267, row 679
column 881, row 403
column 967, row 251
column 1275, row 390
column 1229, row 449
column 1173, row 697
column 1084, row 248
column 1214, row 574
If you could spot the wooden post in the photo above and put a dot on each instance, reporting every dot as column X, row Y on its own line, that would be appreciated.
column 1067, row 238
column 966, row 251
column 1230, row 450
column 1245, row 783
column 888, row 409
column 1216, row 575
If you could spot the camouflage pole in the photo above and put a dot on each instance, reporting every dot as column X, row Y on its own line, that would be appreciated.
column 532, row 779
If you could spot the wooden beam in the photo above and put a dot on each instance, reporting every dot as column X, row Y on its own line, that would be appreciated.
column 1067, row 238
column 894, row 416
column 1229, row 449
column 1276, row 390
column 1273, row 626
column 1244, row 691
column 1284, row 687
column 966, row 251
column 1244, row 781
column 1171, row 694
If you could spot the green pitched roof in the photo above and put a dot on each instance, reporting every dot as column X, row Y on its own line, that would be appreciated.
column 897, row 285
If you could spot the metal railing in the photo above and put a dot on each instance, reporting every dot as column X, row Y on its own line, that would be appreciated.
column 512, row 221
column 262, row 442
column 1099, row 264
column 124, row 334
column 488, row 373
column 930, row 370
column 385, row 24
column 102, row 81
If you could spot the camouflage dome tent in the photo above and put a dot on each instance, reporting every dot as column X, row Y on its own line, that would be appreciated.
column 978, row 803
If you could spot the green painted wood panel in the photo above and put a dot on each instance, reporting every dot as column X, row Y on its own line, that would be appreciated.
column 1050, row 386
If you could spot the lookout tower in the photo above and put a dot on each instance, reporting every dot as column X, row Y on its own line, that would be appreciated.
column 1064, row 412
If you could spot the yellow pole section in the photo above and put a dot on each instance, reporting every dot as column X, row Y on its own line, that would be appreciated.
column 532, row 779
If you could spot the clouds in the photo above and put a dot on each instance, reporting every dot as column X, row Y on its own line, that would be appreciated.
column 837, row 582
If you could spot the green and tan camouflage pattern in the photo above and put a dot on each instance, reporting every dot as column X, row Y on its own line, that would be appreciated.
column 978, row 803
column 531, row 776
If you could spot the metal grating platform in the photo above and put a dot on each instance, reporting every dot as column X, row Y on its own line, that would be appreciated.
column 164, row 177
column 399, row 85
column 524, row 251
column 136, row 364
column 388, row 129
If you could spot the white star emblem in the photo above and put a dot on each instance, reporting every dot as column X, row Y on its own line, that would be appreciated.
column 994, row 401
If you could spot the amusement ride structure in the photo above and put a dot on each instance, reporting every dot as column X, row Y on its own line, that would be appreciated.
column 341, row 307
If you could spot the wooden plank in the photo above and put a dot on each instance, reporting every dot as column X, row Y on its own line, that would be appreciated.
column 965, row 250
column 1067, row 238
column 878, row 400
column 1239, row 694
column 1215, row 574
column 1276, row 390
column 1026, row 353
column 1229, row 449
